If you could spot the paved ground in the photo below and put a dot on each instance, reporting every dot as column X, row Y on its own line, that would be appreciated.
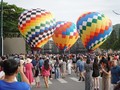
column 69, row 83
column 63, row 86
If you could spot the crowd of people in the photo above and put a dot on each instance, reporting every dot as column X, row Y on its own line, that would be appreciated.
column 23, row 70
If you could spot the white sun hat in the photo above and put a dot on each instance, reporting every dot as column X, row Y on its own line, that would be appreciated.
column 28, row 60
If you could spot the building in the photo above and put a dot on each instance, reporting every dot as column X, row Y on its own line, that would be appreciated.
column 50, row 47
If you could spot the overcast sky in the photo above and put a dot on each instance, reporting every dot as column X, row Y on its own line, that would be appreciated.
column 70, row 10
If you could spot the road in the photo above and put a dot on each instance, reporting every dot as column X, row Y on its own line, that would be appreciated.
column 68, row 83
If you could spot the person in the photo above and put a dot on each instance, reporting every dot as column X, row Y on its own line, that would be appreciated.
column 34, row 62
column 119, row 60
column 11, row 69
column 106, row 75
column 46, row 72
column 28, row 70
column 102, row 58
column 18, row 77
column 117, row 87
column 37, row 78
column 88, row 75
column 96, row 74
column 63, row 68
column 81, row 70
column 115, row 73
column 77, row 66
column 51, row 65
column 74, row 62
column 57, row 68
column 2, row 74
column 69, row 66
column 116, row 57
column 41, row 62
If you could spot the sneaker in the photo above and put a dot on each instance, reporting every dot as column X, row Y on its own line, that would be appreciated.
column 79, row 79
column 97, row 89
column 83, row 79
column 51, row 78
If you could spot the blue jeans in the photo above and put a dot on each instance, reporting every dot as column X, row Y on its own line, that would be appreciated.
column 57, row 72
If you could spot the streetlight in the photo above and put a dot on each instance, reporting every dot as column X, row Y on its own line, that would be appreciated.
column 1, row 30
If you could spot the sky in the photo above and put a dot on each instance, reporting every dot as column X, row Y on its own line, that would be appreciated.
column 70, row 10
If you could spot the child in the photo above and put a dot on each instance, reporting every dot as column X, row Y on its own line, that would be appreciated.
column 46, row 72
column 37, row 78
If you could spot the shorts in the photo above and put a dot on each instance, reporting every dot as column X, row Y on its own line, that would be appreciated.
column 37, row 79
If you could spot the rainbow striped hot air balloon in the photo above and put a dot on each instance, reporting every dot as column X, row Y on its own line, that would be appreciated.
column 65, row 35
column 94, row 29
column 36, row 26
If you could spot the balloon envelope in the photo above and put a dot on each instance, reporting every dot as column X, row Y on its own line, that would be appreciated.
column 36, row 26
column 94, row 29
column 65, row 35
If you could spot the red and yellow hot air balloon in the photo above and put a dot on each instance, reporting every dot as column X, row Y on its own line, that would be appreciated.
column 65, row 35
column 36, row 26
column 94, row 29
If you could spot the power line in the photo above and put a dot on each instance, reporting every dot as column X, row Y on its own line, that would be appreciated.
column 116, row 12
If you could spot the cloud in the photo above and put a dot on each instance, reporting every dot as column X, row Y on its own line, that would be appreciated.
column 69, row 10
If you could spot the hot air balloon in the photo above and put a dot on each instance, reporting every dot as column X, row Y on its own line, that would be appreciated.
column 94, row 29
column 36, row 26
column 65, row 35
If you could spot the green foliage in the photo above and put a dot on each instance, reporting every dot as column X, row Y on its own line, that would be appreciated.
column 11, row 14
column 28, row 47
column 116, row 45
column 106, row 44
column 113, row 42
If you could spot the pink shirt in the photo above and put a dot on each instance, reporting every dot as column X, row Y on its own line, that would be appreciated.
column 45, row 72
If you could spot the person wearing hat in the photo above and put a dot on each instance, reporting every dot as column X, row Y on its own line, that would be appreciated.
column 28, row 70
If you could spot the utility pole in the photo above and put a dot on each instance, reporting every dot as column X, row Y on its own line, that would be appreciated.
column 119, row 34
column 1, row 30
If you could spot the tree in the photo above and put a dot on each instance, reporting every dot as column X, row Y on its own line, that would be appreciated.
column 108, row 44
column 113, row 42
column 119, row 33
column 11, row 14
column 116, row 45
